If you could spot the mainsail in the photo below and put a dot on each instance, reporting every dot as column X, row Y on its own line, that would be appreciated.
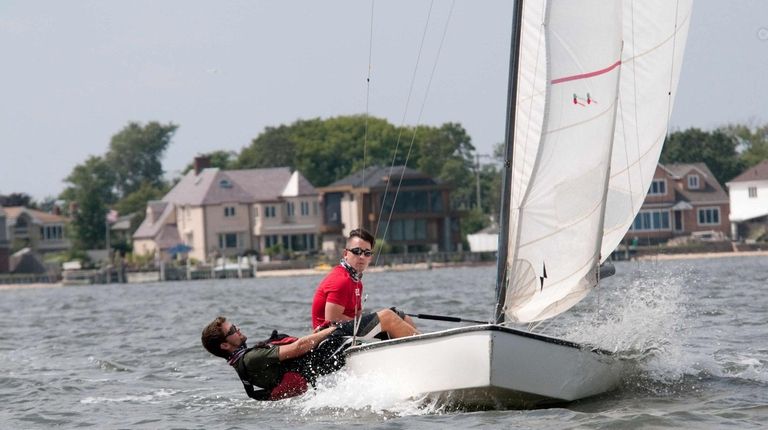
column 594, row 88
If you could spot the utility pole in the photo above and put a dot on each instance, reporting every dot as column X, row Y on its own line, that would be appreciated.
column 477, row 172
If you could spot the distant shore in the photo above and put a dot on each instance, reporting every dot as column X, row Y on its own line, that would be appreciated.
column 692, row 256
column 426, row 266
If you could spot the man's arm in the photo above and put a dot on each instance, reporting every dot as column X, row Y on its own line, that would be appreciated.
column 335, row 313
column 303, row 345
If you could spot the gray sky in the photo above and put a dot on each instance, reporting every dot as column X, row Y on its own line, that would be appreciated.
column 75, row 72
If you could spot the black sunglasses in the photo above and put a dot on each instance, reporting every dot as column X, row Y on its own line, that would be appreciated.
column 360, row 251
column 232, row 330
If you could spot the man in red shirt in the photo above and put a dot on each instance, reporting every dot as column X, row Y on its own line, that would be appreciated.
column 338, row 298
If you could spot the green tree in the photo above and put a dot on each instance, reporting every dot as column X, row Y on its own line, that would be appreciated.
column 716, row 149
column 447, row 153
column 135, row 155
column 17, row 199
column 92, row 188
column 272, row 148
column 753, row 142
column 136, row 202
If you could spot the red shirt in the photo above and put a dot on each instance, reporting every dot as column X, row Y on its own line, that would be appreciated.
column 340, row 289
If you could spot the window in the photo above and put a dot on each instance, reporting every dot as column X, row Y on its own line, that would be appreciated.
column 229, row 211
column 269, row 211
column 709, row 216
column 651, row 220
column 290, row 209
column 315, row 209
column 224, row 183
column 658, row 187
column 255, row 211
column 693, row 182
column 52, row 232
column 408, row 229
column 228, row 240
column 270, row 240
column 752, row 192
column 304, row 208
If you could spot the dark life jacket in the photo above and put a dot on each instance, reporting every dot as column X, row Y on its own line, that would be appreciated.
column 296, row 374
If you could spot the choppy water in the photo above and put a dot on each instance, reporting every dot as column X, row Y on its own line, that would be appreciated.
column 129, row 356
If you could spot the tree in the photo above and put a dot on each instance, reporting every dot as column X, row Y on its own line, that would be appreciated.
column 272, row 148
column 136, row 202
column 753, row 142
column 17, row 199
column 135, row 155
column 716, row 149
column 92, row 188
column 447, row 153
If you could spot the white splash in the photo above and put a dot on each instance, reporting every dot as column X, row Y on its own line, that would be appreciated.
column 373, row 393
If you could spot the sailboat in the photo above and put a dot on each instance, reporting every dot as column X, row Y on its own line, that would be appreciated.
column 590, row 94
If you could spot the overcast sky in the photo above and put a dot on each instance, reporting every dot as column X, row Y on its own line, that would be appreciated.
column 74, row 73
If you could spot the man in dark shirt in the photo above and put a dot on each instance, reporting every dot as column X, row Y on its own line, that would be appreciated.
column 284, row 366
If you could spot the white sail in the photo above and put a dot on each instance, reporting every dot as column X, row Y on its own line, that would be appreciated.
column 564, row 125
column 655, row 32
column 591, row 117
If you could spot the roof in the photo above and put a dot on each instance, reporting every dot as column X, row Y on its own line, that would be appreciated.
column 214, row 186
column 157, row 213
column 712, row 191
column 758, row 172
column 39, row 217
column 378, row 176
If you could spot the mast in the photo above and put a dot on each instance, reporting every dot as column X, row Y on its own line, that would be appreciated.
column 514, row 60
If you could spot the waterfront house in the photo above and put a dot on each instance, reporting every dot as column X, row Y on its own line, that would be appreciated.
column 213, row 213
column 683, row 200
column 749, row 202
column 408, row 209
column 41, row 232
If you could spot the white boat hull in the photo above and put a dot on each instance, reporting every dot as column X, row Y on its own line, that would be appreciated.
column 488, row 366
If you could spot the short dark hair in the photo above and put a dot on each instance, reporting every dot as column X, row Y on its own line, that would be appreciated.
column 213, row 337
column 363, row 234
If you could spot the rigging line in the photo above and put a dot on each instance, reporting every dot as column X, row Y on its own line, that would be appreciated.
column 418, row 117
column 402, row 122
column 359, row 315
column 368, row 90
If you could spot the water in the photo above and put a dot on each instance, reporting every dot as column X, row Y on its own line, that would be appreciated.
column 129, row 356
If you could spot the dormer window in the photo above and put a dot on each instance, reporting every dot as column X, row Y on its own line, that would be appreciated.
column 224, row 183
column 693, row 182
column 658, row 187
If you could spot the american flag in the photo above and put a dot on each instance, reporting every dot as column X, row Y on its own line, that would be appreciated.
column 112, row 216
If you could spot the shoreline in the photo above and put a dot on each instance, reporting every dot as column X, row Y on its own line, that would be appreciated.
column 422, row 266
column 702, row 255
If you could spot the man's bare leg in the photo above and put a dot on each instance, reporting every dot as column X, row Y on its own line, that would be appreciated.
column 394, row 325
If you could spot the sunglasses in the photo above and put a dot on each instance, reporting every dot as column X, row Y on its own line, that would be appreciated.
column 360, row 251
column 232, row 330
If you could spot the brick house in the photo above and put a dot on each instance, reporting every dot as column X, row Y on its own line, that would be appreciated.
column 683, row 200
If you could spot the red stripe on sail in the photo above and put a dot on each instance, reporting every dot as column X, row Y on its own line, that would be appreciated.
column 587, row 75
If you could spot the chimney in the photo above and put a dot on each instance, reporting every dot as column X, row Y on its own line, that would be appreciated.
column 202, row 162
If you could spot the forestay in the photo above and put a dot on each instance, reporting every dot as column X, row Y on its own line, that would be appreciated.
column 577, row 94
